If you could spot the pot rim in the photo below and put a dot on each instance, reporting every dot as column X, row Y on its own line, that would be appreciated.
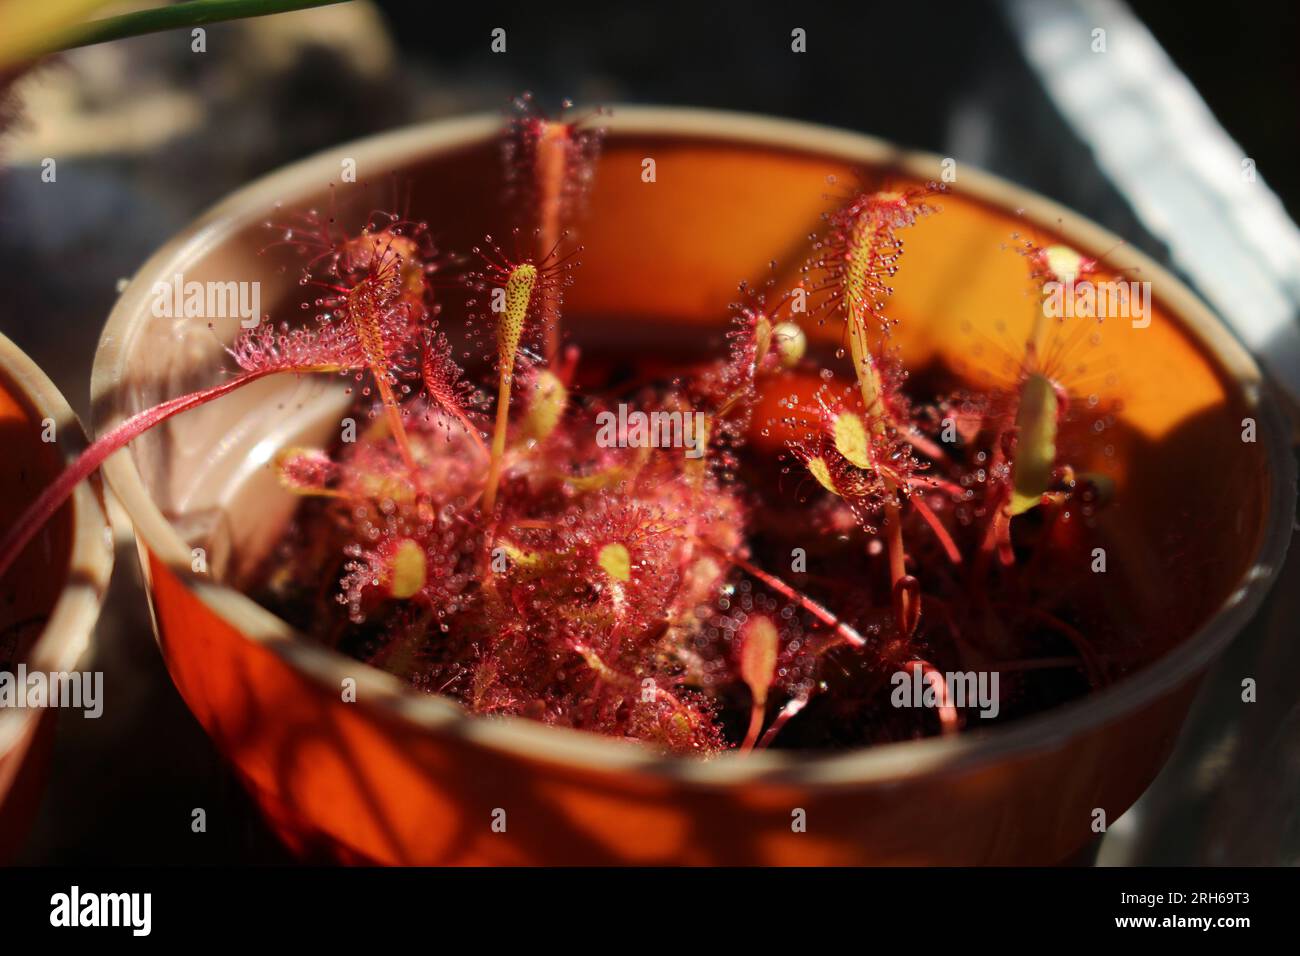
column 66, row 634
column 591, row 752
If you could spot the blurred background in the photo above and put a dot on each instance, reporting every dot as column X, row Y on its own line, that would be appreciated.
column 1174, row 129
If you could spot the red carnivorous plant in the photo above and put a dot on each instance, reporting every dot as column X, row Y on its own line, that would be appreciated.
column 527, row 557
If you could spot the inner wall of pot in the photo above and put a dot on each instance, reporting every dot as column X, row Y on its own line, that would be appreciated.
column 661, row 261
column 33, row 584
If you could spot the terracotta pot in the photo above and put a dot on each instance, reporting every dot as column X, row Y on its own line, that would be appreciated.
column 50, row 598
column 399, row 777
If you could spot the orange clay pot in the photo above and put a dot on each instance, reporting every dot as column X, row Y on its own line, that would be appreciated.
column 51, row 596
column 401, row 777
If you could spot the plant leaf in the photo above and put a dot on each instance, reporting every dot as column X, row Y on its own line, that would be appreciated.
column 616, row 562
column 851, row 439
column 758, row 649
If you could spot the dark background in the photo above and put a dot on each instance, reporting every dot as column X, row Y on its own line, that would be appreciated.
column 920, row 74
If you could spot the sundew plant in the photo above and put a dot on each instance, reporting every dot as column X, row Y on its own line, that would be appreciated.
column 630, row 556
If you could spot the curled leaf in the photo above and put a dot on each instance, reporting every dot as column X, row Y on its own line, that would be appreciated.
column 790, row 343
column 546, row 407
column 1035, row 453
column 518, row 294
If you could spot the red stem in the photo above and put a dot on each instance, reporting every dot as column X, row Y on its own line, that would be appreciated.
column 394, row 416
column 756, row 713
column 807, row 603
column 925, row 446
column 552, row 160
column 928, row 482
column 940, row 532
column 50, row 500
column 897, row 563
column 947, row 712
column 997, row 537
column 470, row 430
column 791, row 708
